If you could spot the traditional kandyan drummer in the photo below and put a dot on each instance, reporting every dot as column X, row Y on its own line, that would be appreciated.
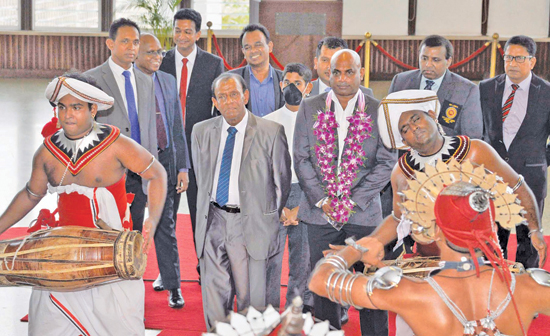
column 85, row 164
column 468, row 295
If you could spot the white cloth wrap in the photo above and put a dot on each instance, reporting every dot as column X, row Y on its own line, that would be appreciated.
column 403, row 230
column 80, row 90
column 109, row 310
column 397, row 103
column 107, row 207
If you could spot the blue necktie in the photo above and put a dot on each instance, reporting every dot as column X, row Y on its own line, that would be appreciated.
column 132, row 110
column 327, row 89
column 429, row 84
column 222, row 193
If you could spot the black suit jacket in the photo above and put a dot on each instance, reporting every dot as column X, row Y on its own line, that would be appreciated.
column 244, row 72
column 199, row 93
column 527, row 153
column 178, row 142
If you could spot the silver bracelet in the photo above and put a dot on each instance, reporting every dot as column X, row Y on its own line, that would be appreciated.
column 533, row 231
column 328, row 283
column 519, row 183
column 149, row 166
column 31, row 193
column 395, row 217
column 343, row 263
column 351, row 242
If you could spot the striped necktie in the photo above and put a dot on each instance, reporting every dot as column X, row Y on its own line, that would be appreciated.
column 429, row 84
column 222, row 193
column 508, row 104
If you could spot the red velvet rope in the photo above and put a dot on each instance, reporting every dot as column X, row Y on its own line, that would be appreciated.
column 395, row 60
column 218, row 50
column 276, row 61
column 500, row 50
column 471, row 57
column 359, row 47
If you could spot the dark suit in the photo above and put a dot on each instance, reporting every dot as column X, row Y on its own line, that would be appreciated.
column 527, row 152
column 315, row 89
column 236, row 262
column 372, row 176
column 198, row 107
column 118, row 116
column 456, row 90
column 244, row 72
column 173, row 158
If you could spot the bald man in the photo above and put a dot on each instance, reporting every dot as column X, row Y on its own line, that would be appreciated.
column 335, row 212
column 174, row 157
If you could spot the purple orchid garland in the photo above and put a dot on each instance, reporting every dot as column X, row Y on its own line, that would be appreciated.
column 326, row 150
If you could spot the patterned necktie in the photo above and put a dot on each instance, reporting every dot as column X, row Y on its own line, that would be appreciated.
column 327, row 89
column 183, row 88
column 508, row 104
column 132, row 109
column 222, row 193
column 429, row 84
column 161, row 130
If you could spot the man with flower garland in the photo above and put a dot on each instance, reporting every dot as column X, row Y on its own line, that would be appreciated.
column 342, row 166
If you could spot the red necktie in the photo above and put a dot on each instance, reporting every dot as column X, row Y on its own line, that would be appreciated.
column 183, row 88
column 508, row 104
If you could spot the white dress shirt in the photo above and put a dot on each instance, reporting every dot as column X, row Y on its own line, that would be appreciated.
column 322, row 87
column 287, row 118
column 233, row 199
column 190, row 63
column 437, row 82
column 518, row 110
column 341, row 115
column 121, row 81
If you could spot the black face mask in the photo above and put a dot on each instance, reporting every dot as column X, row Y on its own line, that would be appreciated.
column 293, row 96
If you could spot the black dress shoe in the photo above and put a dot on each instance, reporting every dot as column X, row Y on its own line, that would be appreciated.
column 344, row 318
column 157, row 284
column 175, row 299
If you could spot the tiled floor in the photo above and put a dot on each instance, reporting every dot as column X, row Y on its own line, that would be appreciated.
column 24, row 111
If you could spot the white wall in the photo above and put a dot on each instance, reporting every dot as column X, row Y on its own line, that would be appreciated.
column 449, row 17
column 380, row 17
column 523, row 17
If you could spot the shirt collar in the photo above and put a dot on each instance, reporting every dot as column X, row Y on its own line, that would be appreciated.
column 268, row 78
column 191, row 57
column 351, row 102
column 322, row 86
column 117, row 69
column 524, row 85
column 241, row 126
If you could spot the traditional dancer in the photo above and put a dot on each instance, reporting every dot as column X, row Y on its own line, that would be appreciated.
column 467, row 295
column 85, row 164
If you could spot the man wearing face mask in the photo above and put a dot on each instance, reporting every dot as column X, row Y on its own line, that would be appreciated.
column 296, row 84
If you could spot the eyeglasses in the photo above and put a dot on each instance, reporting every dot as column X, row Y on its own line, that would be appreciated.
column 519, row 59
column 153, row 53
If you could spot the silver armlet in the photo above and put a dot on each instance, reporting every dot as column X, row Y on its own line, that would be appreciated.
column 542, row 277
column 395, row 217
column 31, row 193
column 337, row 261
column 533, row 231
column 385, row 278
column 350, row 241
column 519, row 183
column 149, row 166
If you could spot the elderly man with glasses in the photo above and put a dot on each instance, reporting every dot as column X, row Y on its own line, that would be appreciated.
column 173, row 155
column 516, row 117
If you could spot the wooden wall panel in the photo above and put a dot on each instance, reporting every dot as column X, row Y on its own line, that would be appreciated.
column 46, row 56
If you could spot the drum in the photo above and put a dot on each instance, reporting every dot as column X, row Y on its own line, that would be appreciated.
column 71, row 258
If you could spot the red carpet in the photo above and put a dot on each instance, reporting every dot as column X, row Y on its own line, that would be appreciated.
column 189, row 320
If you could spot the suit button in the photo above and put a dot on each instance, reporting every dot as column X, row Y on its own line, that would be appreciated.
column 205, row 217
column 127, row 129
column 506, row 159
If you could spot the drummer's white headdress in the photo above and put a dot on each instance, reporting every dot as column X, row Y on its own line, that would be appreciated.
column 396, row 104
column 62, row 86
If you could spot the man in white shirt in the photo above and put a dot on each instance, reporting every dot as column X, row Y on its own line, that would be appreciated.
column 296, row 84
column 516, row 115
column 337, row 208
column 243, row 174
column 134, row 108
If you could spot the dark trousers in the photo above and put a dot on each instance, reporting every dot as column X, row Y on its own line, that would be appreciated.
column 191, row 194
column 373, row 322
column 137, row 208
column 166, row 244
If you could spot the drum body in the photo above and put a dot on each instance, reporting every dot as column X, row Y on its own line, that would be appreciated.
column 71, row 258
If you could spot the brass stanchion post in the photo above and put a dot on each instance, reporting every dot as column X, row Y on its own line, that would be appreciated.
column 367, row 59
column 209, row 37
column 493, row 56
